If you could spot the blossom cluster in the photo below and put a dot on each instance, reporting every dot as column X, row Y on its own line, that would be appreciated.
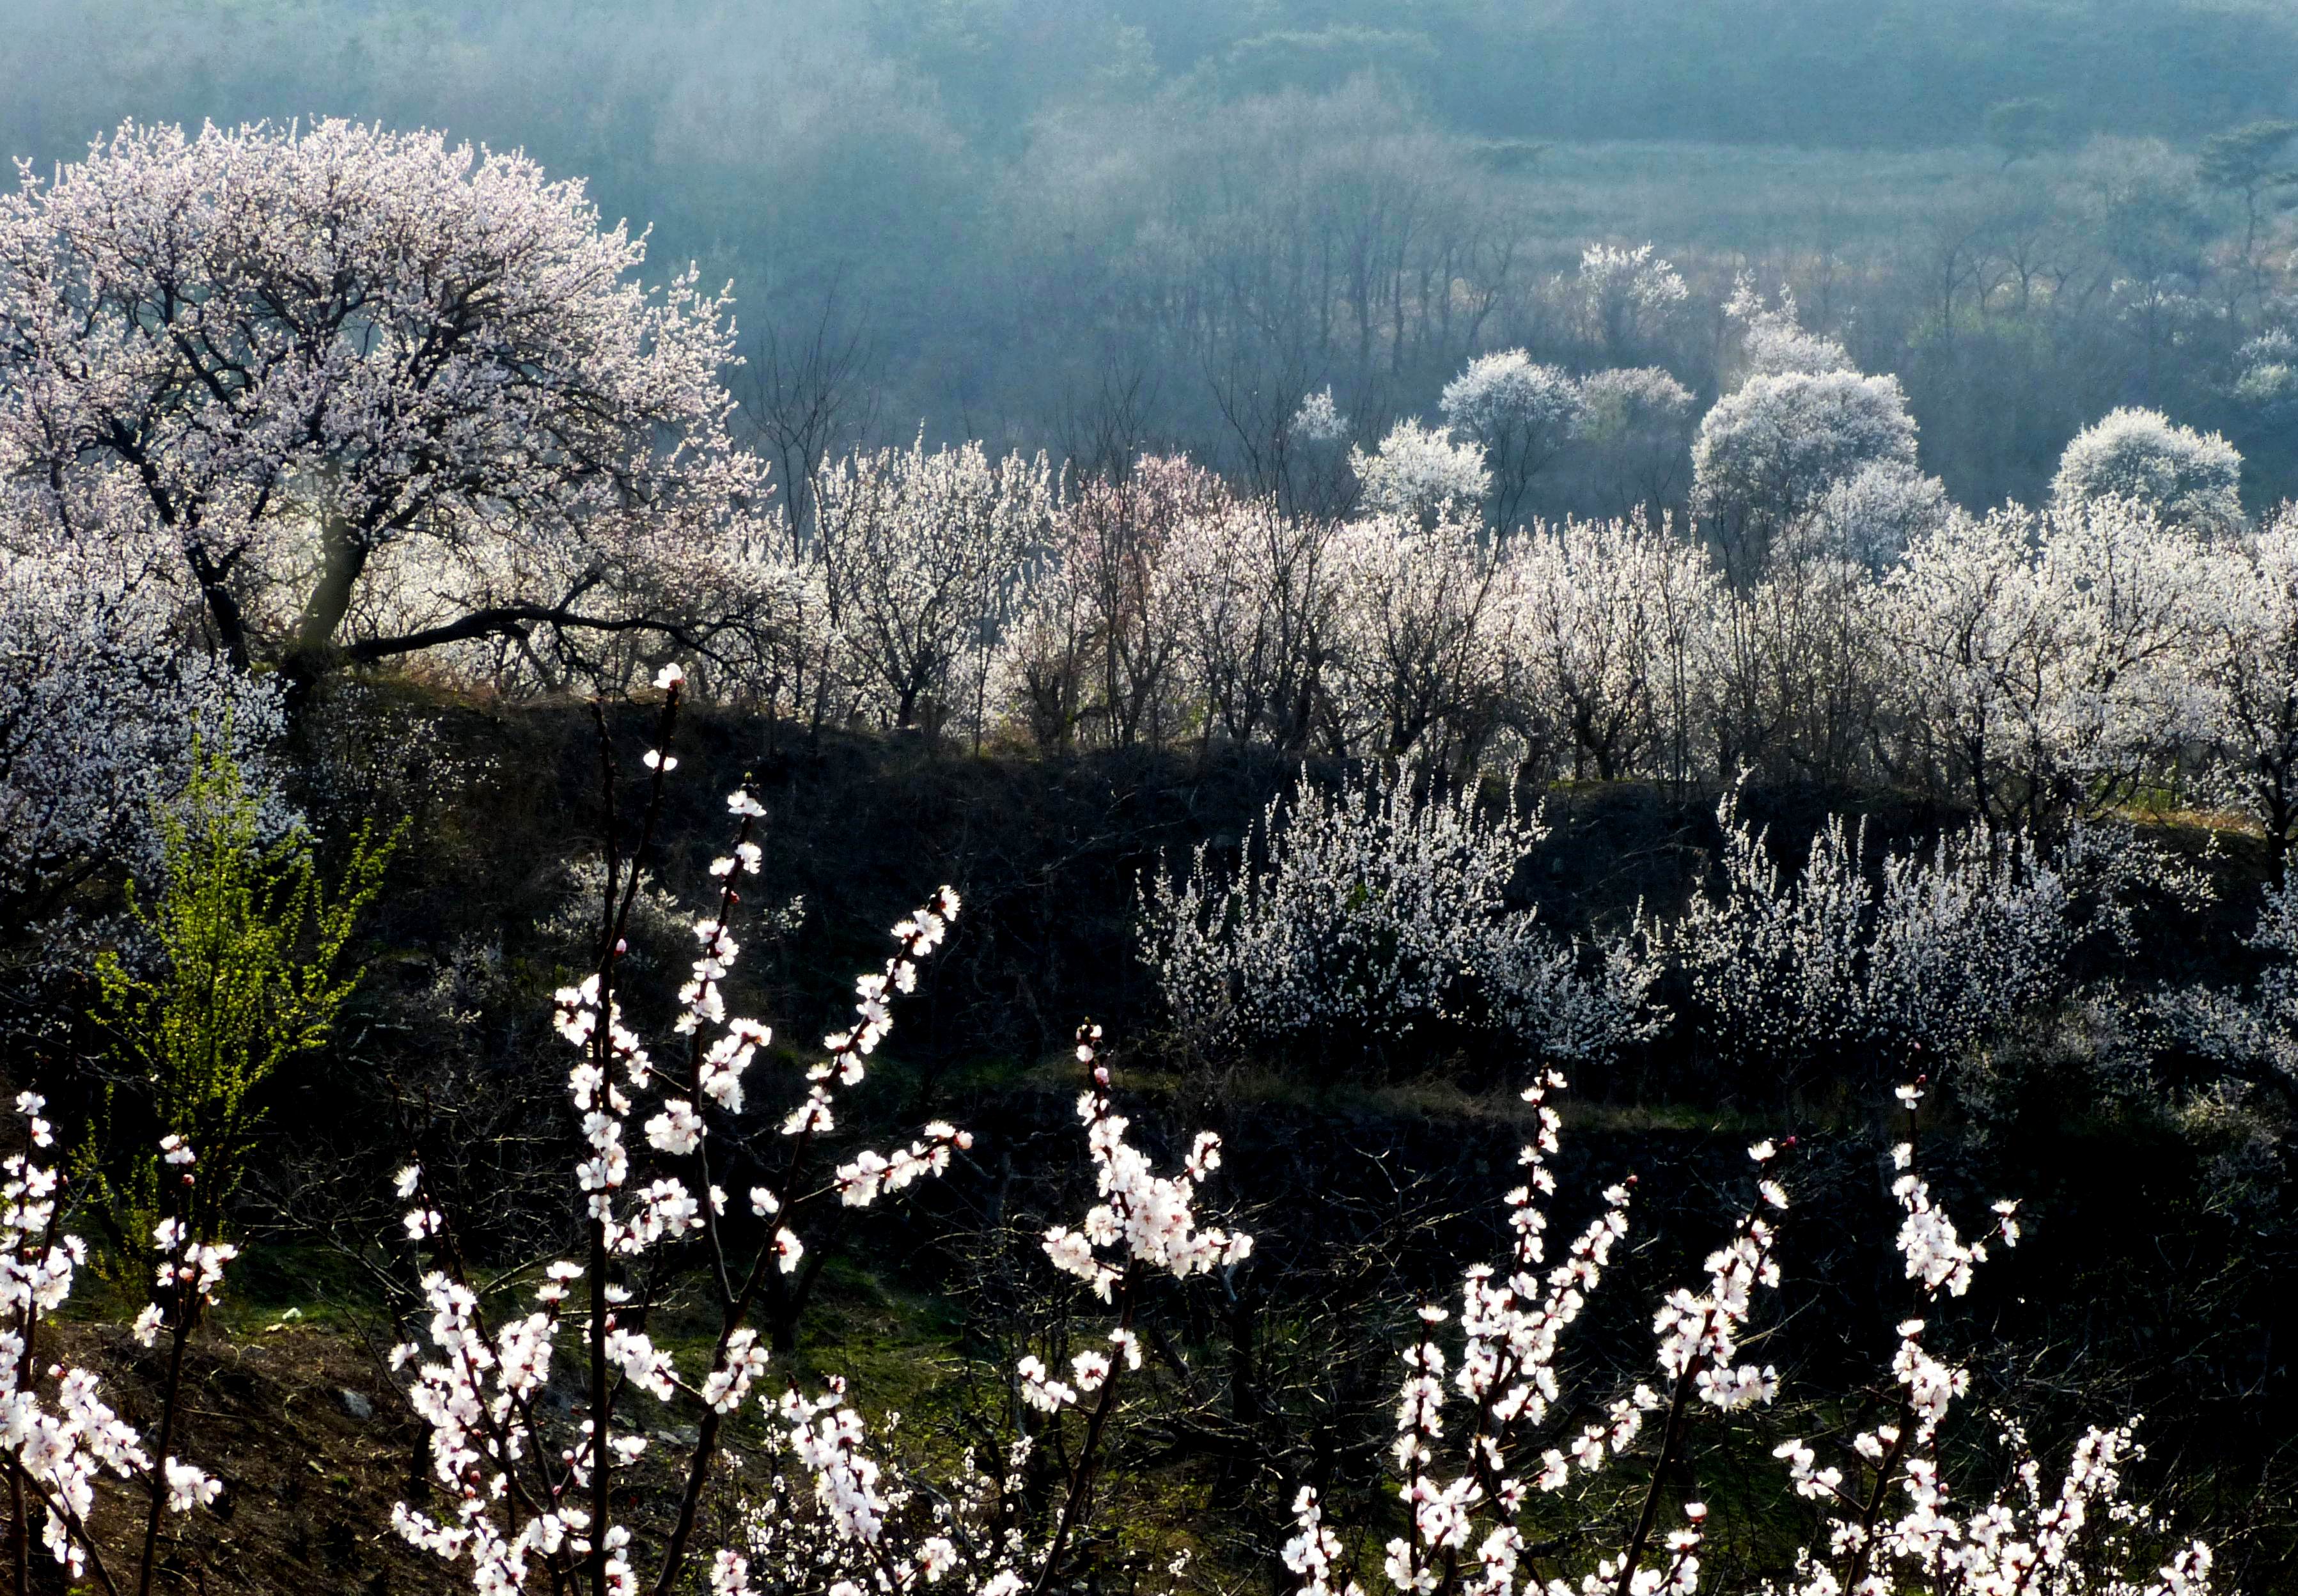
column 60, row 1436
column 836, row 1511
column 1921, row 950
column 1147, row 1220
column 1889, row 1516
column 103, row 710
column 1511, row 1449
column 370, row 389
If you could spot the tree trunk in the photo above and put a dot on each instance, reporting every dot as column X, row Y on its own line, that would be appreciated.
column 342, row 558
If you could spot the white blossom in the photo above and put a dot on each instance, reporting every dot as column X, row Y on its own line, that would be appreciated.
column 1378, row 909
column 369, row 387
column 1418, row 470
column 2189, row 479
column 1519, row 413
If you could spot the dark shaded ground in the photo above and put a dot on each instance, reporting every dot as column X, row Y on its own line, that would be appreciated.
column 307, row 1486
column 2155, row 1276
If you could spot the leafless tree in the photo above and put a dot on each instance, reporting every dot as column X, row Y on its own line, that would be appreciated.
column 804, row 394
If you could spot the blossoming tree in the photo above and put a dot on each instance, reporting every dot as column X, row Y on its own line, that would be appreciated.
column 2190, row 479
column 301, row 354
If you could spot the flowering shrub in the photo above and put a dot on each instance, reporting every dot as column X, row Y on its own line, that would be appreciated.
column 846, row 1518
column 1888, row 1511
column 2252, row 1036
column 478, row 1396
column 1377, row 910
column 2025, row 1537
column 102, row 714
column 1923, row 952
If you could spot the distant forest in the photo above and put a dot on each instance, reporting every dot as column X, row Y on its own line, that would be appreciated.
column 1102, row 226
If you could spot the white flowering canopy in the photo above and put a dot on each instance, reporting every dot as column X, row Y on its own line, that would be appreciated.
column 1320, row 419
column 2248, row 669
column 1630, row 398
column 2188, row 478
column 920, row 551
column 1415, row 669
column 2041, row 658
column 1627, row 296
column 1876, row 514
column 1418, row 470
column 301, row 351
column 1602, row 627
column 1768, row 453
column 2269, row 382
column 1519, row 411
column 1773, row 341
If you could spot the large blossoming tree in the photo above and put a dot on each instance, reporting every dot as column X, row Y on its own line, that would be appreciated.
column 382, row 393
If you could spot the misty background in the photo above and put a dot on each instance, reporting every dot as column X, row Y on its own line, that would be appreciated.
column 1097, row 226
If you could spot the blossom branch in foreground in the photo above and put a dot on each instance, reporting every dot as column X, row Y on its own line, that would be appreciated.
column 2022, row 1540
column 857, row 1529
column 524, row 1496
column 58, row 1452
column 1511, row 1326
